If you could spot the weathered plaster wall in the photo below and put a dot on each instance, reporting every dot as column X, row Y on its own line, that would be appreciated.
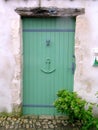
column 85, row 81
column 10, row 53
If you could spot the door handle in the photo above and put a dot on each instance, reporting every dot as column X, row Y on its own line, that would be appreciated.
column 48, row 67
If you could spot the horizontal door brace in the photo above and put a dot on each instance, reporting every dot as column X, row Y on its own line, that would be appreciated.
column 48, row 30
column 38, row 105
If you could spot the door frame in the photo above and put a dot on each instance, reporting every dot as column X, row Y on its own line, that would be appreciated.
column 41, row 12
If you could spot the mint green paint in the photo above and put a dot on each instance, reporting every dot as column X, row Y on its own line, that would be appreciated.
column 47, row 62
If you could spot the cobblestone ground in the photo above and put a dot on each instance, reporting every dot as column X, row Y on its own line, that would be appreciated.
column 36, row 123
column 67, row 128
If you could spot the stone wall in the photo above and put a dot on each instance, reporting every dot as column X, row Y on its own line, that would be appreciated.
column 86, row 39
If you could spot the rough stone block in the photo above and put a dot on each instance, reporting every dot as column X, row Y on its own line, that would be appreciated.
column 44, row 117
column 62, row 117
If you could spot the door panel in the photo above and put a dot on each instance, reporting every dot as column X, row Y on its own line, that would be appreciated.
column 48, row 55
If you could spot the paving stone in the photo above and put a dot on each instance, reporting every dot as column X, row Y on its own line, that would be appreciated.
column 46, row 117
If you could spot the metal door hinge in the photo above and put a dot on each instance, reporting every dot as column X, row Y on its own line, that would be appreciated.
column 73, row 67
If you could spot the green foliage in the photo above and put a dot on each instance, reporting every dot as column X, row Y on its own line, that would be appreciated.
column 76, row 108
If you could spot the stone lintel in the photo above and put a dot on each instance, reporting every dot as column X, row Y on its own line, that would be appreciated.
column 49, row 12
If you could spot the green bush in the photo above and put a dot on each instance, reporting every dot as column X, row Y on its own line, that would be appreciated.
column 76, row 108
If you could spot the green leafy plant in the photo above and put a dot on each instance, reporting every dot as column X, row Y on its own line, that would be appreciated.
column 76, row 108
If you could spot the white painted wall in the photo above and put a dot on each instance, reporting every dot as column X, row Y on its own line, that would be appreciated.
column 86, row 38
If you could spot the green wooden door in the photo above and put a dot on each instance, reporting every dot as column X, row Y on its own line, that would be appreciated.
column 48, row 62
